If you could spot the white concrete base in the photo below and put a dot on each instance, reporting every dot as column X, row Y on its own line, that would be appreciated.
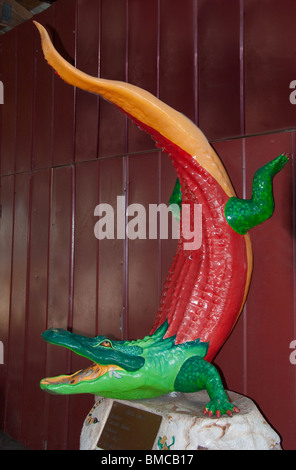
column 184, row 427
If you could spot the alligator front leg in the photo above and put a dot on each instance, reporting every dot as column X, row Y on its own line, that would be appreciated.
column 197, row 374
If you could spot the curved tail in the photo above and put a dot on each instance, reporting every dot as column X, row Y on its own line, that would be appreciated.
column 145, row 109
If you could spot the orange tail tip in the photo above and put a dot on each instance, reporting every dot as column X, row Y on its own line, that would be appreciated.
column 144, row 107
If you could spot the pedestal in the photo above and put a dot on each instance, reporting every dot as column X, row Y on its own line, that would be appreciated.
column 176, row 422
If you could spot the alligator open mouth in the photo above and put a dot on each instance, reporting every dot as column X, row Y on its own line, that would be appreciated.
column 90, row 373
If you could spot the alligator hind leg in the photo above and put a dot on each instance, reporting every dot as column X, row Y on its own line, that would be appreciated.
column 197, row 374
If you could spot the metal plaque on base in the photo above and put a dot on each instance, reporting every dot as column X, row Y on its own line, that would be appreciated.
column 129, row 428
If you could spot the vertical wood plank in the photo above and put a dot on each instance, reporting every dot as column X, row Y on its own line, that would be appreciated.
column 177, row 48
column 85, row 278
column 144, row 262
column 44, row 99
column 18, row 308
column 6, row 245
column 9, row 74
column 142, row 50
column 219, row 68
column 112, row 124
column 25, row 97
column 59, row 299
column 269, row 49
column 87, row 60
column 85, row 285
column 35, row 347
column 111, row 266
column 64, row 94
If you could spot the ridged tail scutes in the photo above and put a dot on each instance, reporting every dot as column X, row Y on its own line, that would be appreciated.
column 203, row 294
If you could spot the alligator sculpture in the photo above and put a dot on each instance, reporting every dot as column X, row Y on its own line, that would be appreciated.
column 206, row 288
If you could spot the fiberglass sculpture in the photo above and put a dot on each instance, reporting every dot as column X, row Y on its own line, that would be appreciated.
column 205, row 288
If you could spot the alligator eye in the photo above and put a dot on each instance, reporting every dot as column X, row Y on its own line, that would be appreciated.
column 106, row 344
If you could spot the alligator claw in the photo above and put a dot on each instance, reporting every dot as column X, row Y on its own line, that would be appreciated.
column 220, row 407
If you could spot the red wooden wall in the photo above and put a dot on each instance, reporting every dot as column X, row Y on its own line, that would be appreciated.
column 227, row 65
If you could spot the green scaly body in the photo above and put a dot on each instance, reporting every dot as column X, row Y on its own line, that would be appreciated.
column 140, row 369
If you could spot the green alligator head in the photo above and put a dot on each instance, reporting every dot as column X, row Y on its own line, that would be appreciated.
column 123, row 369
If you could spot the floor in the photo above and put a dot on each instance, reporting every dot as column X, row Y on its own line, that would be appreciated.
column 7, row 443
